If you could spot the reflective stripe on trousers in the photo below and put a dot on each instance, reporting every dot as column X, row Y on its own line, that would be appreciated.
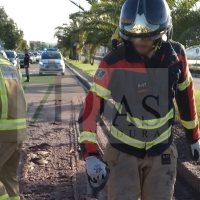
column 4, row 197
column 12, row 124
column 15, row 198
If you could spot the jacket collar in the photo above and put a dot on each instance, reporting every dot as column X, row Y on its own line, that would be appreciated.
column 169, row 55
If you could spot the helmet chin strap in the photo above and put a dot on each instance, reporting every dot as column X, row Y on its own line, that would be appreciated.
column 157, row 44
column 154, row 48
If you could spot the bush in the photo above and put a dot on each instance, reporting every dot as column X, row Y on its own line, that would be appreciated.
column 195, row 70
column 86, row 61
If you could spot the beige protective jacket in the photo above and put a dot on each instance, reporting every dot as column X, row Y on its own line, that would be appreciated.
column 12, row 104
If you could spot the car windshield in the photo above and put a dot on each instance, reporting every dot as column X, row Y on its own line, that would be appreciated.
column 10, row 54
column 21, row 55
column 51, row 55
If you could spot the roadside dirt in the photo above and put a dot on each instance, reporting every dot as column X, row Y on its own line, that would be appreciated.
column 49, row 166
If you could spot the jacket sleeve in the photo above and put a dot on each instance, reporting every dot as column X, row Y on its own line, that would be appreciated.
column 186, row 101
column 93, row 108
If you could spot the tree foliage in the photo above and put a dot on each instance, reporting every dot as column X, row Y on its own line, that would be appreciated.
column 94, row 27
column 10, row 34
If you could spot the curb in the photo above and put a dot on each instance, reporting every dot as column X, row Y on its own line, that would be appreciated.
column 79, row 77
column 182, row 171
column 188, row 176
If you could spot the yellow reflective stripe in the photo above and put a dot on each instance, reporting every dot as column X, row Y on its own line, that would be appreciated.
column 118, row 106
column 137, row 143
column 15, row 198
column 4, row 98
column 4, row 197
column 13, row 124
column 185, row 84
column 151, row 123
column 190, row 124
column 4, row 62
column 164, row 136
column 126, row 139
column 89, row 136
column 100, row 91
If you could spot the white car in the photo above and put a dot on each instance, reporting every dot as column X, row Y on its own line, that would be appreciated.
column 51, row 62
column 37, row 56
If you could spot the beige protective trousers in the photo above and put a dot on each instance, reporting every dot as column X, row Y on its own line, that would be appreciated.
column 133, row 178
column 9, row 161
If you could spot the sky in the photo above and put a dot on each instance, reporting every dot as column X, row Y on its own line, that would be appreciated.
column 38, row 18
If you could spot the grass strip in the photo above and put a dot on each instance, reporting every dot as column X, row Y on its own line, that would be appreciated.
column 40, row 107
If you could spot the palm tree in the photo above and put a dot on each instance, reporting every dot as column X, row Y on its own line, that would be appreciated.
column 95, row 27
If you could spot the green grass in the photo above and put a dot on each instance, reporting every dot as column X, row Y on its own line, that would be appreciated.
column 194, row 69
column 87, row 68
column 197, row 100
column 37, row 79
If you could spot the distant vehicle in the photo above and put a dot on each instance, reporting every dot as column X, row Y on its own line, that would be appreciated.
column 192, row 54
column 51, row 63
column 32, row 58
column 4, row 54
column 21, row 58
column 37, row 55
column 13, row 58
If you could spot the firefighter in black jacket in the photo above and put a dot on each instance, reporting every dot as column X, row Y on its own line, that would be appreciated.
column 26, row 64
column 143, row 76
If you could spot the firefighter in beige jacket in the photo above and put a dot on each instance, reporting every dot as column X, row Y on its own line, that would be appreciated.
column 12, row 129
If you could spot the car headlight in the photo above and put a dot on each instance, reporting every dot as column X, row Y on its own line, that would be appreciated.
column 41, row 63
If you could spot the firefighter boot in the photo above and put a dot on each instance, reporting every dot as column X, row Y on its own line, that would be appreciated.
column 27, row 78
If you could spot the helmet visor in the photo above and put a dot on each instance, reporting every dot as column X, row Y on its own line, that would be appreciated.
column 146, row 36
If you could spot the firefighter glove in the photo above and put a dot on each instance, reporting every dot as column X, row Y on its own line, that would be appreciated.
column 195, row 150
column 96, row 169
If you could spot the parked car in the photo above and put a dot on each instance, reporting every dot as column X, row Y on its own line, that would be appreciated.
column 37, row 55
column 32, row 58
column 4, row 54
column 13, row 58
column 21, row 58
column 51, row 63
